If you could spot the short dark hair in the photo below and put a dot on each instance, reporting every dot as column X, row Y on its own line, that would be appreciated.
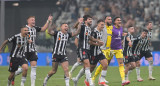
column 107, row 16
column 30, row 17
column 99, row 21
column 85, row 17
column 63, row 23
column 148, row 23
column 145, row 30
column 115, row 19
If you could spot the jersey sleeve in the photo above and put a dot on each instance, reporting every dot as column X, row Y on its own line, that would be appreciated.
column 82, row 30
column 70, row 35
column 93, row 34
column 38, row 29
column 11, row 39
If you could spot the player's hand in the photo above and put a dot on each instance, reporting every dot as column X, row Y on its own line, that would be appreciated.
column 80, row 20
column 30, row 41
column 130, row 44
column 50, row 18
column 100, row 43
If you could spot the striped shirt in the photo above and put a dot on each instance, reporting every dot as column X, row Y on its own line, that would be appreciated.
column 31, row 47
column 137, row 46
column 18, row 47
column 60, row 40
column 95, row 50
column 146, row 42
column 84, row 35
column 127, row 50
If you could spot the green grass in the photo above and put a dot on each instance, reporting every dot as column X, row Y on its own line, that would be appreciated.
column 113, row 77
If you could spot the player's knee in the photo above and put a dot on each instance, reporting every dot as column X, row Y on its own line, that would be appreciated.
column 66, row 69
column 25, row 69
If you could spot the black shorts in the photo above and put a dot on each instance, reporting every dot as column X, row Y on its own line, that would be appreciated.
column 129, row 59
column 78, row 54
column 59, row 58
column 137, row 57
column 16, row 62
column 84, row 54
column 31, row 56
column 146, row 54
column 95, row 59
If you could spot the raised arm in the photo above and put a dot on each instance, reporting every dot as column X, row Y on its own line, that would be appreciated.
column 3, row 45
column 51, row 28
column 80, row 20
column 49, row 21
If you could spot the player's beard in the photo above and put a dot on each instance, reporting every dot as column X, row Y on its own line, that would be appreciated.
column 108, row 24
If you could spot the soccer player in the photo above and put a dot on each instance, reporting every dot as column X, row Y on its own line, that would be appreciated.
column 146, row 51
column 30, row 50
column 116, row 46
column 17, row 55
column 59, row 50
column 107, row 34
column 129, row 60
column 96, row 55
column 136, row 48
column 78, row 58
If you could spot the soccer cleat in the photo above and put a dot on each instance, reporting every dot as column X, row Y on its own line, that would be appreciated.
column 74, row 81
column 151, row 78
column 140, row 79
column 125, row 83
column 12, row 82
column 86, row 83
column 102, row 84
column 106, row 81
column 70, row 75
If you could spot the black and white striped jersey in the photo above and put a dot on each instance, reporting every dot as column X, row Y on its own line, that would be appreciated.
column 31, row 47
column 60, row 42
column 18, row 45
column 147, row 41
column 95, row 50
column 84, row 35
column 127, row 50
column 137, row 46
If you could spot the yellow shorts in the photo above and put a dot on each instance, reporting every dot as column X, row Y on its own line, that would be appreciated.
column 107, row 54
column 117, row 53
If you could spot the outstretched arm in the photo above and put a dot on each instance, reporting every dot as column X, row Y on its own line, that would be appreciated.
column 4, row 44
column 80, row 20
column 49, row 21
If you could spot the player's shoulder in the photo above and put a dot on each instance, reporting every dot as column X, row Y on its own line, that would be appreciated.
column 17, row 35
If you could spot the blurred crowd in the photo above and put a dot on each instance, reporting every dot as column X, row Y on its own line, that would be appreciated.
column 133, row 13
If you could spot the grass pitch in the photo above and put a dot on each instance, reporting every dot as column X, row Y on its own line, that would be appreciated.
column 113, row 77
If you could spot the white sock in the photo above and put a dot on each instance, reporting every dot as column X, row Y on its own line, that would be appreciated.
column 67, row 81
column 9, row 83
column 126, row 76
column 103, row 75
column 88, row 75
column 23, row 80
column 138, row 72
column 46, row 79
column 75, row 66
column 33, row 75
column 19, row 71
column 150, row 68
column 80, row 74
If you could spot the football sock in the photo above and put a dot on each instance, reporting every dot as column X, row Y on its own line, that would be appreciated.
column 33, row 75
column 150, row 68
column 98, row 71
column 23, row 79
